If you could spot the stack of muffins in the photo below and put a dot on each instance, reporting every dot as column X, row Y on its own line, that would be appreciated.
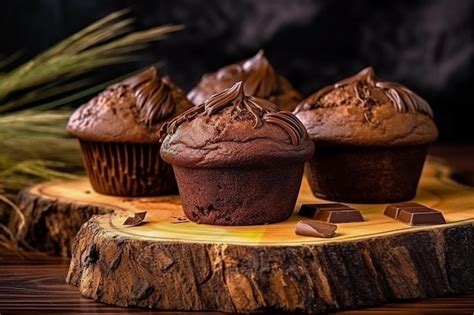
column 238, row 153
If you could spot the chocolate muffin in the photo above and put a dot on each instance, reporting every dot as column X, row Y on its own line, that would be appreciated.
column 238, row 159
column 119, row 135
column 371, row 139
column 260, row 80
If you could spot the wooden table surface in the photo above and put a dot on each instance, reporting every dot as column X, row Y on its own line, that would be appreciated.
column 34, row 283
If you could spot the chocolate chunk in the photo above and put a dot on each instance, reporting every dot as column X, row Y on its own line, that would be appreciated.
column 315, row 228
column 137, row 219
column 420, row 216
column 331, row 212
column 413, row 213
column 181, row 219
column 393, row 210
column 310, row 210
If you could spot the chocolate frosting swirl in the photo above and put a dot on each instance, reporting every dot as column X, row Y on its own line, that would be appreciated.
column 132, row 110
column 364, row 111
column 403, row 99
column 261, row 110
column 153, row 96
column 260, row 80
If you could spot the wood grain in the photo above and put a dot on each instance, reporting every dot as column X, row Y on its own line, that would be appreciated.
column 55, row 212
column 35, row 283
column 188, row 266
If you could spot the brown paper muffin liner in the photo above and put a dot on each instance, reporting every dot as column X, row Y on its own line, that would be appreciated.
column 127, row 169
column 239, row 195
column 366, row 175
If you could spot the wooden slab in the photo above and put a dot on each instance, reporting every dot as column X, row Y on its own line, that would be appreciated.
column 187, row 266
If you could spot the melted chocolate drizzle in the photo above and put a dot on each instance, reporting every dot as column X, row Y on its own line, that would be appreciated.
column 153, row 96
column 403, row 99
column 261, row 80
column 234, row 97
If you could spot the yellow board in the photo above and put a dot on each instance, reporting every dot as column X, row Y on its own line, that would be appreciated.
column 436, row 190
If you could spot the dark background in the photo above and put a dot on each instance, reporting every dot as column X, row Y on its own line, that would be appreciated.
column 427, row 45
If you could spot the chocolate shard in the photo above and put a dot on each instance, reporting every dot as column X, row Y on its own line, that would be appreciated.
column 421, row 216
column 180, row 219
column 315, row 228
column 393, row 210
column 136, row 220
column 331, row 212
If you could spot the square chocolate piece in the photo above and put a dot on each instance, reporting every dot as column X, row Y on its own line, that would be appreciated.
column 331, row 212
column 310, row 210
column 393, row 210
column 421, row 216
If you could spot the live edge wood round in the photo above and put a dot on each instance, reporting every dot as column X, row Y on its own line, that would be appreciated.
column 187, row 266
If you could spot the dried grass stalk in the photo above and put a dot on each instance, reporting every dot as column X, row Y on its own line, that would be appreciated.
column 33, row 142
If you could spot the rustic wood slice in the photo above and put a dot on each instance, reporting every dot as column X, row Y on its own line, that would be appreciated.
column 186, row 266
column 52, row 221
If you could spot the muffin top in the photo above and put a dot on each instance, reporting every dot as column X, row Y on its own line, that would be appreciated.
column 260, row 80
column 232, row 129
column 130, row 111
column 362, row 110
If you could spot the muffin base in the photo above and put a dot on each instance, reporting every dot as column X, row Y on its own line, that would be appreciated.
column 239, row 196
column 127, row 169
column 366, row 175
